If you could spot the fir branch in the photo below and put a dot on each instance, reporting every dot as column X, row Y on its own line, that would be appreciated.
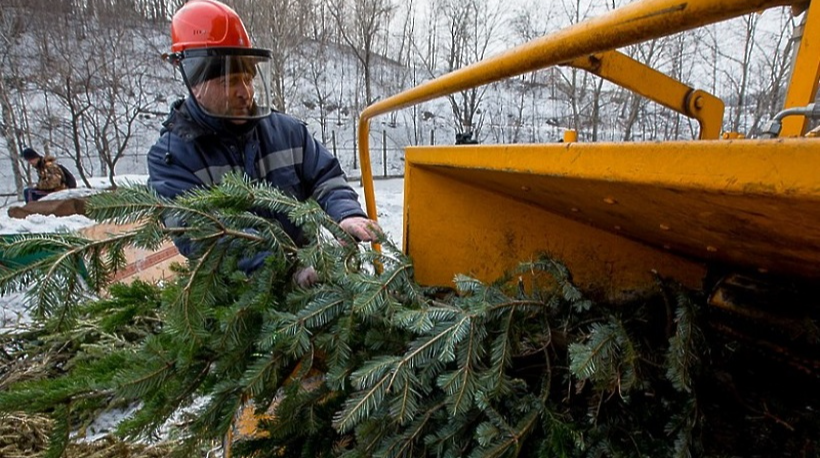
column 400, row 445
column 146, row 381
column 257, row 376
column 375, row 294
column 56, row 278
column 562, row 276
column 592, row 359
column 191, row 301
column 58, row 440
column 500, row 355
column 512, row 443
column 127, row 205
column 373, row 380
column 682, row 354
column 321, row 311
column 404, row 405
column 461, row 384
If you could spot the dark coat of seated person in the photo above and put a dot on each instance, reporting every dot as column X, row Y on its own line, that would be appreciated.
column 51, row 177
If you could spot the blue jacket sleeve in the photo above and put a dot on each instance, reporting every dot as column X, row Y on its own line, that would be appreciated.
column 325, row 181
column 169, row 177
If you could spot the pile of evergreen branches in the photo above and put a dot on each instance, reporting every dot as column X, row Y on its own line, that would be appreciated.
column 366, row 363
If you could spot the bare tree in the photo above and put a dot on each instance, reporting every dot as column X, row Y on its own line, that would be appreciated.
column 281, row 26
column 92, row 100
column 404, row 50
column 573, row 83
column 317, row 54
column 11, row 84
column 471, row 29
column 634, row 104
column 119, row 94
column 740, row 82
column 360, row 23
column 529, row 22
column 772, row 64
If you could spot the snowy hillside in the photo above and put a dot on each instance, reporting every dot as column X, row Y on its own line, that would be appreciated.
column 87, row 125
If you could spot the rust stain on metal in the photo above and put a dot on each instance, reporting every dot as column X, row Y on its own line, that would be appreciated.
column 663, row 12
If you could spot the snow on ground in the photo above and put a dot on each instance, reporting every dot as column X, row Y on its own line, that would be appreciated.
column 43, row 224
column 47, row 224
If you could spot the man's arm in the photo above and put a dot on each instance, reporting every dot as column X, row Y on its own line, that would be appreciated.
column 170, row 177
column 326, row 181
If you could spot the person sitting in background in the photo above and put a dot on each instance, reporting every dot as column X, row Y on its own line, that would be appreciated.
column 50, row 175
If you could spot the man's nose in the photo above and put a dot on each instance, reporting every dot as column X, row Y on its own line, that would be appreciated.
column 244, row 90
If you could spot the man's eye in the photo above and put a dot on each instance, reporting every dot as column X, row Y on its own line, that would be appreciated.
column 241, row 79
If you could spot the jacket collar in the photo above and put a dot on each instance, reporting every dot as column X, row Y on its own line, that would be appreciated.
column 187, row 120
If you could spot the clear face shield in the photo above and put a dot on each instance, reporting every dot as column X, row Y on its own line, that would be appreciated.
column 228, row 83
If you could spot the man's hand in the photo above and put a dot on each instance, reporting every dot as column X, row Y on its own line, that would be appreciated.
column 306, row 277
column 360, row 228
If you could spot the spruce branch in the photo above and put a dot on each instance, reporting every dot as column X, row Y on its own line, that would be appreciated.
column 60, row 432
column 684, row 346
column 128, row 205
column 366, row 363
column 373, row 381
column 57, row 277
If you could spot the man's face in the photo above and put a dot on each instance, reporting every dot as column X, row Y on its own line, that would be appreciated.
column 229, row 95
column 33, row 161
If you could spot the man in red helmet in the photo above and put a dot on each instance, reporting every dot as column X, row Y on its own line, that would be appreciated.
column 226, row 125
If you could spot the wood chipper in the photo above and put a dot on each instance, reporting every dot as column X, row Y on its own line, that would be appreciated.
column 736, row 218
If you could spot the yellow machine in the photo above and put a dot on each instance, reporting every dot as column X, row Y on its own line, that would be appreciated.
column 619, row 214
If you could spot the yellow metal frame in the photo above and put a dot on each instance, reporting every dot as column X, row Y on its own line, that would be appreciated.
column 615, row 212
column 627, row 72
column 805, row 74
column 631, row 24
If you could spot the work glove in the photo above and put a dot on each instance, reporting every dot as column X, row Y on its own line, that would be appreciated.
column 306, row 277
column 361, row 228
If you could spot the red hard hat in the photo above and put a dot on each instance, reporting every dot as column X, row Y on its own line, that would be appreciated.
column 207, row 24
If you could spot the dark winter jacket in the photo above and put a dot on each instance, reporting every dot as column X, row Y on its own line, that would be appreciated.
column 196, row 150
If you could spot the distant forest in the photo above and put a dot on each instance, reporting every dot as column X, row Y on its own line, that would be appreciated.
column 83, row 80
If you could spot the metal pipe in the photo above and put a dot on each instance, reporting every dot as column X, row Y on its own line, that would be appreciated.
column 811, row 110
column 772, row 128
